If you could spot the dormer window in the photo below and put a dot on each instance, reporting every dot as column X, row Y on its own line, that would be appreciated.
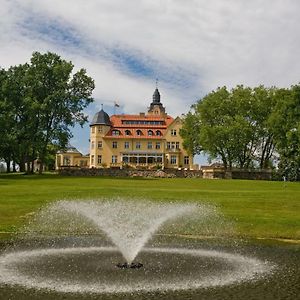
column 138, row 132
column 150, row 132
column 158, row 133
column 115, row 132
column 127, row 132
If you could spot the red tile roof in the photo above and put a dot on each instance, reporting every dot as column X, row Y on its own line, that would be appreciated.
column 117, row 122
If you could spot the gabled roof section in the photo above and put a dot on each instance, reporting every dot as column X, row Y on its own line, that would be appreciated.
column 69, row 149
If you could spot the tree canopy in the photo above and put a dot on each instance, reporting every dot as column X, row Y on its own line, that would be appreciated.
column 246, row 127
column 39, row 103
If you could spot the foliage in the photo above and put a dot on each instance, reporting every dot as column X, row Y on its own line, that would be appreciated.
column 287, row 131
column 39, row 102
column 243, row 127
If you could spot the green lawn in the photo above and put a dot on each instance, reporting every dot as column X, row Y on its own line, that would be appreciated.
column 256, row 208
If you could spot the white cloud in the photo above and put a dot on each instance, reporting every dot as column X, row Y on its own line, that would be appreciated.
column 192, row 46
column 198, row 44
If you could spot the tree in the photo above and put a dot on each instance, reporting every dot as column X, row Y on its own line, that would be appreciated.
column 232, row 126
column 286, row 127
column 39, row 103
column 60, row 96
column 190, row 134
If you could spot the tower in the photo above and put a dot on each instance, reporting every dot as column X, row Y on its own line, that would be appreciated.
column 156, row 107
column 99, row 127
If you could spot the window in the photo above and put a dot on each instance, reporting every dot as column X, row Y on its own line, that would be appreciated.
column 149, row 145
column 168, row 145
column 157, row 145
column 100, row 145
column 126, row 145
column 139, row 132
column 158, row 132
column 173, row 145
column 92, row 145
column 173, row 159
column 127, row 132
column 173, row 132
column 150, row 132
column 115, row 144
column 186, row 160
column 125, row 159
column 99, row 159
column 100, row 130
column 114, row 159
column 115, row 132
column 93, row 129
column 92, row 159
column 67, row 161
column 138, row 145
column 177, row 145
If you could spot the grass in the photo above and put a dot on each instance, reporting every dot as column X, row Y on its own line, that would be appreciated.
column 262, row 209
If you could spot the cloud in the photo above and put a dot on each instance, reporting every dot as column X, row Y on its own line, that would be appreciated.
column 191, row 46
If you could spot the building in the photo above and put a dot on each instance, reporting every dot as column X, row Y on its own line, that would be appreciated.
column 71, row 157
column 147, row 140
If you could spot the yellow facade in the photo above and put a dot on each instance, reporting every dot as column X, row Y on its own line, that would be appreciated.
column 148, row 140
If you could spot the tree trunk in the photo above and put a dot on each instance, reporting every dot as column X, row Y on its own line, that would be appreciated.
column 14, row 167
column 22, row 163
column 7, row 160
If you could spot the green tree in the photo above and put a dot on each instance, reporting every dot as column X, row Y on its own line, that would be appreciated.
column 39, row 103
column 190, row 133
column 286, row 128
column 60, row 96
column 232, row 126
column 5, row 122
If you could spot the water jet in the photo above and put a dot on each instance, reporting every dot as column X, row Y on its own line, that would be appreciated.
column 92, row 267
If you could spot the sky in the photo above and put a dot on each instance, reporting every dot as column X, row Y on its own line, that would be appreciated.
column 191, row 46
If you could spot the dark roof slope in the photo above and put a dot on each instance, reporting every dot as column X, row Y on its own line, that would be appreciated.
column 101, row 118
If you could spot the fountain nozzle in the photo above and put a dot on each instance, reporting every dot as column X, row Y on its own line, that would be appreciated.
column 132, row 265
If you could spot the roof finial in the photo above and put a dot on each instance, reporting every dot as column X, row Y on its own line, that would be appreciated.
column 101, row 106
column 156, row 83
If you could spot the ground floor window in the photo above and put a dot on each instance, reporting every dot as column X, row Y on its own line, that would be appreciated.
column 173, row 159
column 186, row 160
column 142, row 158
column 99, row 159
column 92, row 159
column 67, row 161
column 114, row 159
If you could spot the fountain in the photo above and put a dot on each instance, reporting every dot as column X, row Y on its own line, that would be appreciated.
column 91, row 267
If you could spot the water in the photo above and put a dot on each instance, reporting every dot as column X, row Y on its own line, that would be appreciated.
column 128, row 224
column 80, row 262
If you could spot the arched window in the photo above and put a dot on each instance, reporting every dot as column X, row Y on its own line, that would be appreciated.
column 139, row 132
column 158, row 132
column 127, row 132
column 150, row 132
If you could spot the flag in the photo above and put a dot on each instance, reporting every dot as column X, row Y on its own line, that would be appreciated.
column 116, row 104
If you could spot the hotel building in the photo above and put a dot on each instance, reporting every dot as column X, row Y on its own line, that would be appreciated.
column 147, row 140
